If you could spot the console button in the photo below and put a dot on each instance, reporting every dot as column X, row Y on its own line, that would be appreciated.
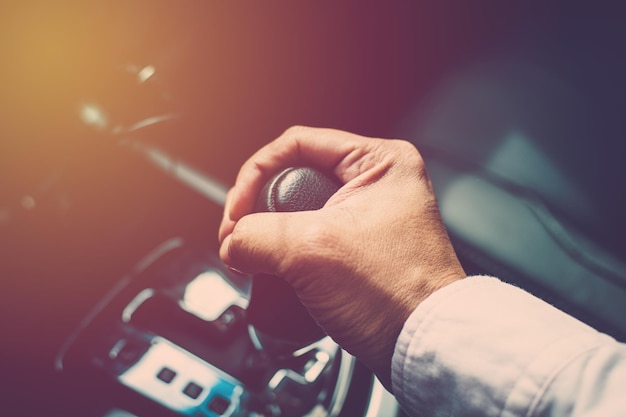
column 166, row 375
column 219, row 405
column 192, row 390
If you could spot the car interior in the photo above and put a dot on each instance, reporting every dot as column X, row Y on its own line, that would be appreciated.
column 124, row 124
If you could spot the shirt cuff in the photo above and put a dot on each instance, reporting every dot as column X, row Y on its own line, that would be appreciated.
column 483, row 347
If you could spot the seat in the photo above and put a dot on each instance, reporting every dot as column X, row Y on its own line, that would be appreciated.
column 521, row 179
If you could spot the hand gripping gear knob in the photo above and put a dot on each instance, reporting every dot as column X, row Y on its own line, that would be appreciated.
column 275, row 310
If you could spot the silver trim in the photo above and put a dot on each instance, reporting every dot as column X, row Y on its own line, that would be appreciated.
column 142, row 377
column 191, row 177
column 308, row 377
column 163, row 248
column 210, row 294
column 135, row 303
column 382, row 402
column 346, row 367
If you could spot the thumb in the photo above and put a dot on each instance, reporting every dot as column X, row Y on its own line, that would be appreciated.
column 260, row 242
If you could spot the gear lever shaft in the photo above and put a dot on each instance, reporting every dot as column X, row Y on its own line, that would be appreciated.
column 275, row 310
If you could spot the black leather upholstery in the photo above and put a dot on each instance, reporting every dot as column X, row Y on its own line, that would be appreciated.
column 526, row 183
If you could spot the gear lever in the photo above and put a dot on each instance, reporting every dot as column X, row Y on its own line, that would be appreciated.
column 275, row 311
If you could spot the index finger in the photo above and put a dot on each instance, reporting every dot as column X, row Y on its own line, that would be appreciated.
column 328, row 150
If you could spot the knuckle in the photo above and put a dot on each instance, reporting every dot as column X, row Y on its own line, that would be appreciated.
column 313, row 246
column 251, row 167
column 409, row 150
column 292, row 138
column 295, row 131
column 408, row 158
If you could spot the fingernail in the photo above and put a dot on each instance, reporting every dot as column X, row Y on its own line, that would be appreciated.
column 235, row 270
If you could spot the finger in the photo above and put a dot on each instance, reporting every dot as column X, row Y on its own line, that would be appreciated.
column 258, row 243
column 227, row 224
column 324, row 149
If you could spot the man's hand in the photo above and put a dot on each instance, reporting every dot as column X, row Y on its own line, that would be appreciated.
column 363, row 262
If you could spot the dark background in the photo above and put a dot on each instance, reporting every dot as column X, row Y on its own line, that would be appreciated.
column 238, row 75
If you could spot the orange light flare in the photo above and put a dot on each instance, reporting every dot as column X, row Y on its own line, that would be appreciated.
column 51, row 55
column 50, row 50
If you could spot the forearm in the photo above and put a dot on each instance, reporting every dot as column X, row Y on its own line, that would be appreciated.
column 481, row 347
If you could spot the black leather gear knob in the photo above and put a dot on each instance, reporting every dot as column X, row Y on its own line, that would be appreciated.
column 275, row 310
column 296, row 189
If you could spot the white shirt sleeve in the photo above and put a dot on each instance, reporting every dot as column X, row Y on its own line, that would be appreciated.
column 480, row 347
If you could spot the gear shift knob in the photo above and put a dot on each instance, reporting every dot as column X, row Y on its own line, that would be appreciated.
column 275, row 311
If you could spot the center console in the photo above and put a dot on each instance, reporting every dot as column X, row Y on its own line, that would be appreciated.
column 173, row 338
